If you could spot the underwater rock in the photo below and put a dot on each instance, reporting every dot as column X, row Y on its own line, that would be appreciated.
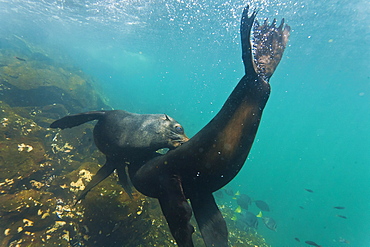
column 42, row 170
column 39, row 83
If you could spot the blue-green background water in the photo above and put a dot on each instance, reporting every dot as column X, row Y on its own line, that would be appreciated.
column 183, row 58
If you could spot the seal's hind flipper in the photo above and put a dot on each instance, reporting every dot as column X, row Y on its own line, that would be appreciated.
column 77, row 119
column 269, row 42
column 102, row 174
column 177, row 211
column 210, row 221
column 124, row 180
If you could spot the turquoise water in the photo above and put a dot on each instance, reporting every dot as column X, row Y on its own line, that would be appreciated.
column 183, row 58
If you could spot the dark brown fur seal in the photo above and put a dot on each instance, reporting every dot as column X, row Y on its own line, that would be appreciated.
column 126, row 138
column 214, row 156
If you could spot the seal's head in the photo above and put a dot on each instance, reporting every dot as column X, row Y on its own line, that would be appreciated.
column 174, row 132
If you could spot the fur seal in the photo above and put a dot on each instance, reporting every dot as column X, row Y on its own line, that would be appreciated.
column 126, row 138
column 215, row 155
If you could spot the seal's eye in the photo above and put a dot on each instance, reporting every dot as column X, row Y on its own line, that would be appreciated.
column 179, row 129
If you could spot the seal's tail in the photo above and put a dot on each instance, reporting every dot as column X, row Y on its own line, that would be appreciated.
column 77, row 119
column 269, row 42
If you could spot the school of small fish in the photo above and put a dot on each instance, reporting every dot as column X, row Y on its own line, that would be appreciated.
column 248, row 219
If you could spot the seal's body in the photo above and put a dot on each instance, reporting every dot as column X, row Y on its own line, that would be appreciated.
column 214, row 156
column 126, row 138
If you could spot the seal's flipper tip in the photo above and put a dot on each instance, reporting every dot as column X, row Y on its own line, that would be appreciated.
column 245, row 13
column 281, row 24
column 246, row 20
column 273, row 24
column 210, row 221
column 76, row 119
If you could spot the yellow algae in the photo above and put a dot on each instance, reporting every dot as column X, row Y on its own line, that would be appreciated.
column 85, row 174
column 65, row 236
column 76, row 186
column 36, row 184
column 7, row 232
column 57, row 225
column 45, row 215
column 27, row 222
column 24, row 147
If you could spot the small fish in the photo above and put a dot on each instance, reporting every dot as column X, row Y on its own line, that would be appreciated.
column 344, row 241
column 52, row 177
column 259, row 215
column 297, row 239
column 229, row 192
column 250, row 219
column 262, row 205
column 339, row 207
column 311, row 191
column 244, row 201
column 161, row 150
column 301, row 207
column 21, row 59
column 312, row 243
column 270, row 223
column 341, row 216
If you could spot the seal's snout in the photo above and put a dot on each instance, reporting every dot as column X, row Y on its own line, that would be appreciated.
column 185, row 139
column 179, row 141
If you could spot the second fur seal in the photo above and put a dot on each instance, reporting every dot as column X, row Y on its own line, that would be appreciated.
column 126, row 139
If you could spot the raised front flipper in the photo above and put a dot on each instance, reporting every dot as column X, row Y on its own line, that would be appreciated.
column 210, row 221
column 124, row 180
column 102, row 174
column 177, row 211
column 77, row 119
column 267, row 47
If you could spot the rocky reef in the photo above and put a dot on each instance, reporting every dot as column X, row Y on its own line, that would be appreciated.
column 42, row 170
